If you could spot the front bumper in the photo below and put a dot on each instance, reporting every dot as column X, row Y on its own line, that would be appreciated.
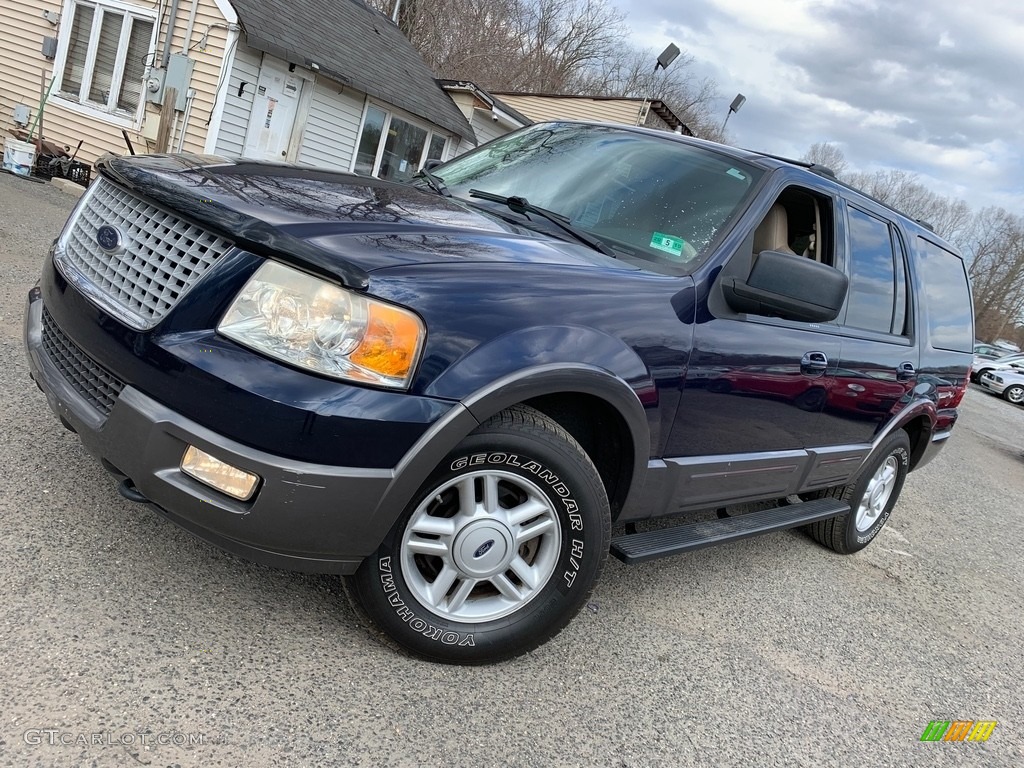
column 304, row 516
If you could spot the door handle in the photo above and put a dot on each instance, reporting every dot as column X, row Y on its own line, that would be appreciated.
column 814, row 363
column 905, row 371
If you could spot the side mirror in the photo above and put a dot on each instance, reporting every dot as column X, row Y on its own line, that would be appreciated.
column 793, row 287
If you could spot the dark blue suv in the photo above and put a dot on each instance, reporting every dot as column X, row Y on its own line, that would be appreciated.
column 449, row 392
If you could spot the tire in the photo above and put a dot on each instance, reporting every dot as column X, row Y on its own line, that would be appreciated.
column 1014, row 394
column 872, row 496
column 498, row 550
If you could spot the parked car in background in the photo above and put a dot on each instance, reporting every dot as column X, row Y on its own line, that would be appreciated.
column 1005, row 363
column 991, row 351
column 1009, row 384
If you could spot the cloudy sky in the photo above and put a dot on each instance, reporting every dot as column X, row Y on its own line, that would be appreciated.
column 931, row 86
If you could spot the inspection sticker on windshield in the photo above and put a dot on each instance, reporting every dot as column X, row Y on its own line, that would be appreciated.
column 668, row 243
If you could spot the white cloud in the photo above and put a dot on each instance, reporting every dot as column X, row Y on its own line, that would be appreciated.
column 934, row 88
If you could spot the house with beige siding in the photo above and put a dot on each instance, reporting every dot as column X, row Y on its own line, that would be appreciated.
column 605, row 109
column 488, row 116
column 494, row 113
column 331, row 83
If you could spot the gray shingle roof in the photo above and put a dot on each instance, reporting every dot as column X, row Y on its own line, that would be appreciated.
column 354, row 45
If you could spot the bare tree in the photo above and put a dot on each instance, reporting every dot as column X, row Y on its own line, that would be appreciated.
column 903, row 191
column 994, row 244
column 549, row 46
column 629, row 71
column 827, row 154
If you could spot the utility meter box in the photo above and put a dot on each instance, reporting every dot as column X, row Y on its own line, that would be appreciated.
column 21, row 114
column 177, row 75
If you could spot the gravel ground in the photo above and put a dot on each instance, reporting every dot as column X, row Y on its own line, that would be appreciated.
column 118, row 628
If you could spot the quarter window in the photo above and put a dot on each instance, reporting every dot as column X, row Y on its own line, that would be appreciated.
column 948, row 298
column 878, row 292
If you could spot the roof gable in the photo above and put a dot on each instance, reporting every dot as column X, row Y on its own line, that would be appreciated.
column 355, row 45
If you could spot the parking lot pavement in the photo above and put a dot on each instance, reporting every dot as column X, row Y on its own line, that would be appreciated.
column 124, row 641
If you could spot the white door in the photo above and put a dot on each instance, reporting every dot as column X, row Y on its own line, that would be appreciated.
column 273, row 113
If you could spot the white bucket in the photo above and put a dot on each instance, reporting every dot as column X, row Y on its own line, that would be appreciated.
column 19, row 156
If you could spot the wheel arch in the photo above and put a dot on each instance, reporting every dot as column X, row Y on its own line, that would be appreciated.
column 580, row 397
column 918, row 420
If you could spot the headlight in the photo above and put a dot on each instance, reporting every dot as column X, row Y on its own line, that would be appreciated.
column 313, row 324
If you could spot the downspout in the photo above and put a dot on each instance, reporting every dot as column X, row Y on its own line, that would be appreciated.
column 191, row 95
column 172, row 20
column 185, row 45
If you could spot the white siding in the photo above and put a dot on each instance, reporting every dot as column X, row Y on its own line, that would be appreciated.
column 332, row 126
column 246, row 69
column 486, row 128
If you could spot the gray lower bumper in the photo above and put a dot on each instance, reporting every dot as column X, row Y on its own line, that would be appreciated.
column 306, row 517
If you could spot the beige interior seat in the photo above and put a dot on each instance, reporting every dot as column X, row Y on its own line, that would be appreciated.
column 772, row 234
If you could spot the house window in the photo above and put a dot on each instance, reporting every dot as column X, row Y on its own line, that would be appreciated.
column 392, row 147
column 105, row 47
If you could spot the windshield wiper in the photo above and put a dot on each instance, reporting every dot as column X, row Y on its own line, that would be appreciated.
column 524, row 207
column 436, row 182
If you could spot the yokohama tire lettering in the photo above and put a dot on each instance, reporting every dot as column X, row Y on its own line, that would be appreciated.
column 406, row 614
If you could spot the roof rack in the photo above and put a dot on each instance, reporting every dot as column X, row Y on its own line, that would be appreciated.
column 823, row 170
column 818, row 168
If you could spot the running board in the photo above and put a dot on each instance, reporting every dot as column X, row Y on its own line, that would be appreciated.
column 650, row 545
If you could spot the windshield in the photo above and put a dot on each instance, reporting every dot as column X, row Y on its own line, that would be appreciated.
column 656, row 199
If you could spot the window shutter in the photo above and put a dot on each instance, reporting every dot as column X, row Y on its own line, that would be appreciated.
column 135, row 65
column 78, row 49
column 106, row 57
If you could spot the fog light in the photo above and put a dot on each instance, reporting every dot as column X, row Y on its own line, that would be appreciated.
column 218, row 474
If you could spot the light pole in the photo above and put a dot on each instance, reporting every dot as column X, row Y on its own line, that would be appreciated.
column 734, row 107
column 667, row 56
column 670, row 54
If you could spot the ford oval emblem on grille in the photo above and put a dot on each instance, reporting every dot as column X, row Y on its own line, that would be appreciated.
column 109, row 238
column 483, row 549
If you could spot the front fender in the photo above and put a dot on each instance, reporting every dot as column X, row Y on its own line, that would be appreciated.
column 526, row 349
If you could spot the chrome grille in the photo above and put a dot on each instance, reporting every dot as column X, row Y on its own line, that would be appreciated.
column 93, row 382
column 160, row 257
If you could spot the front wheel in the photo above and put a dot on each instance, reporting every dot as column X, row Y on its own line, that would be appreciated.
column 872, row 496
column 1015, row 394
column 498, row 550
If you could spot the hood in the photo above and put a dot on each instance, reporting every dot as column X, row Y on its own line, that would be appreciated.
column 339, row 224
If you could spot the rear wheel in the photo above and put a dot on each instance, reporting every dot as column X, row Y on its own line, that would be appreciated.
column 499, row 549
column 872, row 496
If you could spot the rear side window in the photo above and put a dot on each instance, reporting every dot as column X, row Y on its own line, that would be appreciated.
column 878, row 292
column 947, row 297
